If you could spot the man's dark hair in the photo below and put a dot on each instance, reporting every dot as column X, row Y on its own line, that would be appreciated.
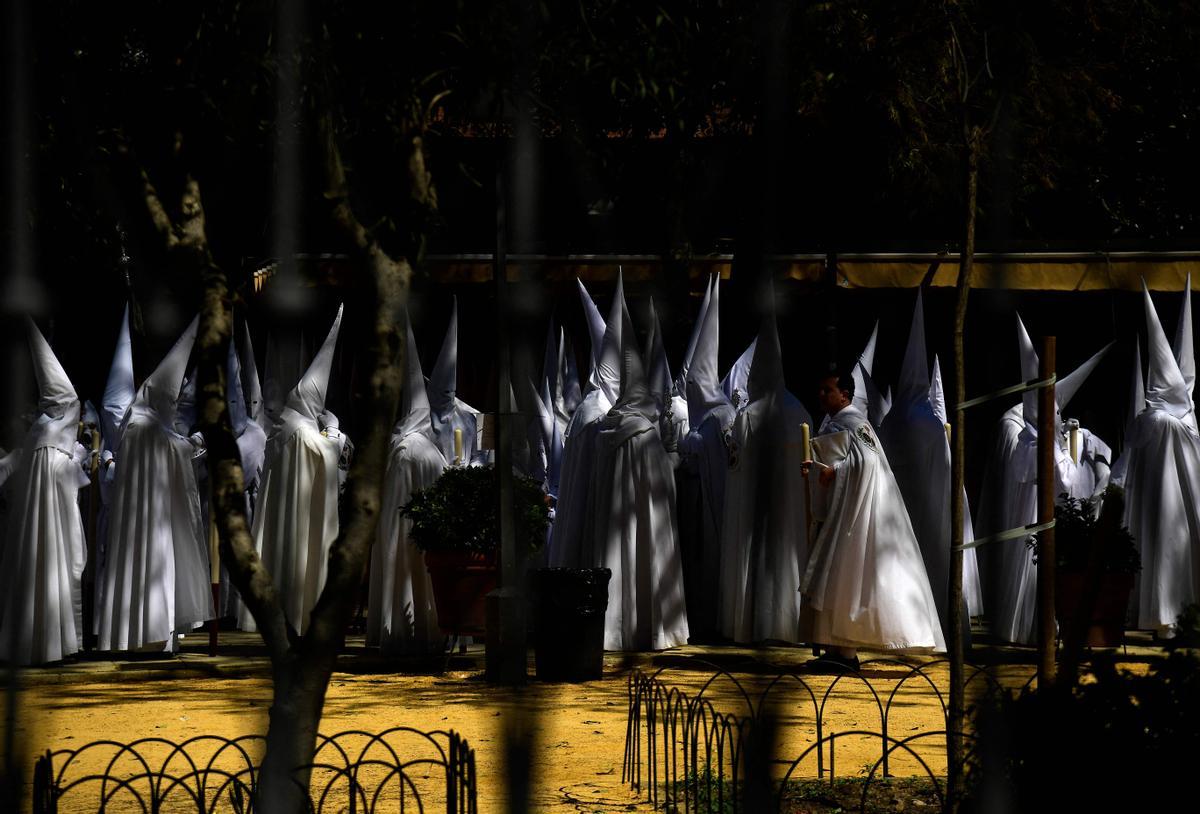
column 845, row 381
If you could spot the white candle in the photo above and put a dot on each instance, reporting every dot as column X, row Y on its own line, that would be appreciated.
column 1075, row 445
column 805, row 442
column 458, row 445
column 949, row 433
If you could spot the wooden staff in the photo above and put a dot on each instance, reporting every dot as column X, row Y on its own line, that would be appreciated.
column 214, row 573
column 89, row 568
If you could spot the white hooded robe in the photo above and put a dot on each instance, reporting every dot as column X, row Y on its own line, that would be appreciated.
column 296, row 517
column 865, row 584
column 401, row 614
column 632, row 523
column 155, row 579
column 1162, row 477
column 41, row 563
column 763, row 542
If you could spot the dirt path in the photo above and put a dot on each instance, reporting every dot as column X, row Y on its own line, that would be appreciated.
column 580, row 729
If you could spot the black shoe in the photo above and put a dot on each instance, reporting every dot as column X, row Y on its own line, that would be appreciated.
column 833, row 663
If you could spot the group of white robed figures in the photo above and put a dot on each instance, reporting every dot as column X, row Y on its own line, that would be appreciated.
column 691, row 489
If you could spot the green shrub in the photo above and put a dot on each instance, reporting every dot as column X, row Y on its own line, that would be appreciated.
column 459, row 512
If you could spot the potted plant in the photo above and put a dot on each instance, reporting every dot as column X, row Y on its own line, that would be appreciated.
column 1097, row 559
column 455, row 523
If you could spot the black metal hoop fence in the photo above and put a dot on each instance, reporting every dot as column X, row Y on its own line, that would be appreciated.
column 700, row 750
column 399, row 769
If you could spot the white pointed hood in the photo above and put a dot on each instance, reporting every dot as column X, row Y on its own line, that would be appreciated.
column 1166, row 389
column 704, row 394
column 862, row 371
column 414, row 400
column 308, row 396
column 235, row 397
column 1185, row 349
column 914, row 371
column 658, row 377
column 568, row 373
column 596, row 328
column 119, row 390
column 160, row 391
column 1029, row 372
column 251, row 385
column 735, row 380
column 681, row 379
column 765, row 375
column 1065, row 387
column 937, row 395
column 443, row 382
column 551, row 382
column 608, row 371
column 58, row 404
column 867, row 396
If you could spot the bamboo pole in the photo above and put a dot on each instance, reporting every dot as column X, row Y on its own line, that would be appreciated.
column 1047, row 632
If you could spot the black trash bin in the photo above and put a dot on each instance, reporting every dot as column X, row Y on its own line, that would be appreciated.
column 570, row 606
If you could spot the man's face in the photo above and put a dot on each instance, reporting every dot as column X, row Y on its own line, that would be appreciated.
column 830, row 396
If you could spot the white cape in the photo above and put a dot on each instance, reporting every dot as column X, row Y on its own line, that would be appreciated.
column 1014, row 606
column 296, row 516
column 865, row 585
column 41, row 563
column 763, row 540
column 401, row 615
column 156, row 579
column 1162, row 511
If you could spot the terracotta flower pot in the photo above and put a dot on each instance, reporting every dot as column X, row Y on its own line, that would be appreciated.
column 461, row 580
column 1107, row 625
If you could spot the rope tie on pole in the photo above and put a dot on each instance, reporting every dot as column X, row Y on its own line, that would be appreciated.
column 1010, row 534
column 1032, row 384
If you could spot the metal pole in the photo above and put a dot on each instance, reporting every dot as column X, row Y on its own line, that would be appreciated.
column 1046, row 552
column 506, row 646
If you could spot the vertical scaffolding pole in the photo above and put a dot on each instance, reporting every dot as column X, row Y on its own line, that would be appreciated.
column 1047, row 632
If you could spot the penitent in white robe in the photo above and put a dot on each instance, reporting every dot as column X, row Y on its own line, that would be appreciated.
column 913, row 433
column 296, row 516
column 401, row 614
column 41, row 563
column 1162, row 477
column 763, row 541
column 1013, row 607
column 569, row 535
column 865, row 584
column 704, row 462
column 632, row 522
column 155, row 580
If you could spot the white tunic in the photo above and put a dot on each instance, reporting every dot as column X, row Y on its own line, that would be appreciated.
column 41, row 563
column 1014, row 607
column 296, row 517
column 156, row 577
column 865, row 584
column 763, row 535
column 401, row 615
column 634, row 534
column 1162, row 510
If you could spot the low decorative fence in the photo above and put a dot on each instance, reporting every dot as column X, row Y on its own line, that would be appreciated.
column 400, row 769
column 698, row 750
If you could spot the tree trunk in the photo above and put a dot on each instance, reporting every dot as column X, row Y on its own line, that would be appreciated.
column 300, row 684
column 956, row 712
